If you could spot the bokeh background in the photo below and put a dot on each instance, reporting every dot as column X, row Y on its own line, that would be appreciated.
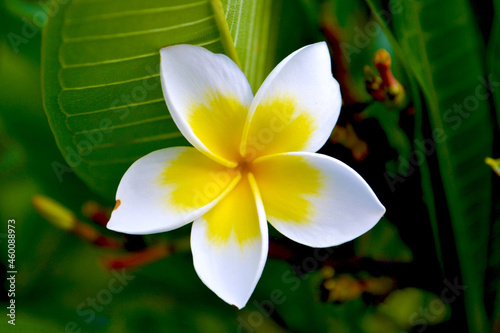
column 421, row 88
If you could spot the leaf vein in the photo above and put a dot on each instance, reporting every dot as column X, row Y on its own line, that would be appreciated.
column 70, row 21
column 135, row 33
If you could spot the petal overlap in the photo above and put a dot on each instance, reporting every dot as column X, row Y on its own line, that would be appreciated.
column 208, row 97
column 169, row 188
column 230, row 244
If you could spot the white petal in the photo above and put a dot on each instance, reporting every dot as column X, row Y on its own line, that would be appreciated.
column 296, row 107
column 230, row 244
column 208, row 97
column 314, row 199
column 167, row 189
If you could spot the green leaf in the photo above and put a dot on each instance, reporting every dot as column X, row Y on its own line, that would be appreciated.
column 101, row 82
column 102, row 92
column 348, row 22
column 290, row 296
column 494, row 57
column 449, row 71
column 389, row 121
column 493, row 275
column 414, row 90
column 415, row 304
column 383, row 243
column 260, row 38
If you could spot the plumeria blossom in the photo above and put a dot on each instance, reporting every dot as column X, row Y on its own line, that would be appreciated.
column 253, row 160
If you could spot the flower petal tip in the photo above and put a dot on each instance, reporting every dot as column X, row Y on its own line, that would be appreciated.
column 237, row 303
column 239, row 307
column 380, row 209
column 113, row 226
column 383, row 210
column 118, row 226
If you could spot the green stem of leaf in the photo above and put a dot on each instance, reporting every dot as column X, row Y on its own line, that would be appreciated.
column 428, row 194
column 226, row 39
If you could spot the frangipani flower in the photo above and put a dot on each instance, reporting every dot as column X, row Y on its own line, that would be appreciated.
column 252, row 161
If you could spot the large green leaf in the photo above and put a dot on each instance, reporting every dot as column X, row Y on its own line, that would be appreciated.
column 264, row 32
column 494, row 58
column 449, row 72
column 250, row 26
column 102, row 91
column 414, row 91
column 101, row 83
column 493, row 278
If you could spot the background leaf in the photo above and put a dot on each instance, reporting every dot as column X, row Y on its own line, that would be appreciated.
column 101, row 84
column 494, row 57
column 493, row 277
column 450, row 73
column 264, row 32
column 101, row 80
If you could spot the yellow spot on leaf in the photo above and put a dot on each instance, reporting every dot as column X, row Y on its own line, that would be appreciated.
column 118, row 203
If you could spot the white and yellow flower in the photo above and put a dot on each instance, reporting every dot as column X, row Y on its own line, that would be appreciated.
column 253, row 161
